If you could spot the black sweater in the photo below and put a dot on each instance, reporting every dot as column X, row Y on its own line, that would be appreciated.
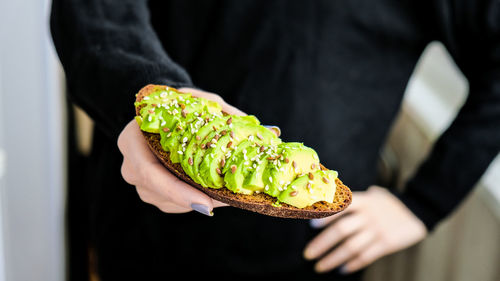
column 331, row 74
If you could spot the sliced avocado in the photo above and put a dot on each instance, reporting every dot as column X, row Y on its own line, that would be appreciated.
column 290, row 160
column 183, row 115
column 239, row 129
column 244, row 165
column 193, row 147
column 304, row 191
column 211, row 166
column 152, row 107
column 254, row 179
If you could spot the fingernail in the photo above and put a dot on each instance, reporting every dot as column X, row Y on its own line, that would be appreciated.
column 316, row 223
column 276, row 129
column 200, row 208
column 343, row 270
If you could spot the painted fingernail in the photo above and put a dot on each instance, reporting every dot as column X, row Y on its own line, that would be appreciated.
column 316, row 223
column 203, row 209
column 343, row 270
column 275, row 129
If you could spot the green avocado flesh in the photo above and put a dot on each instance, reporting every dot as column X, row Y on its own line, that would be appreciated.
column 219, row 150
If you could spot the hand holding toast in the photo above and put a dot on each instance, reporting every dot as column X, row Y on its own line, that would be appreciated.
column 156, row 185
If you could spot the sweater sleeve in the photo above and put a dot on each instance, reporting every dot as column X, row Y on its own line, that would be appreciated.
column 470, row 30
column 109, row 50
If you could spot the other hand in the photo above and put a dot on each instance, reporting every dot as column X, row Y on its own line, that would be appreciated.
column 376, row 224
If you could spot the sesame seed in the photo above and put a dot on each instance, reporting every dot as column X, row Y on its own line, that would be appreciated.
column 266, row 187
column 313, row 166
column 150, row 118
column 229, row 144
column 198, row 137
column 294, row 193
column 233, row 168
column 260, row 136
column 218, row 171
column 325, row 180
column 165, row 129
column 270, row 179
column 287, row 160
column 229, row 121
column 190, row 161
column 180, row 152
column 311, row 176
column 294, row 165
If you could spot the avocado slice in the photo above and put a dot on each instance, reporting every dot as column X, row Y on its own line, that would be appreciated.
column 153, row 105
column 304, row 191
column 254, row 179
column 236, row 129
column 183, row 115
column 290, row 160
column 244, row 165
column 194, row 151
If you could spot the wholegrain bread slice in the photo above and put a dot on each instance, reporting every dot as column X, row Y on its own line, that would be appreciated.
column 259, row 203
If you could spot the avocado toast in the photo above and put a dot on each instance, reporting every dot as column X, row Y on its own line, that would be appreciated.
column 234, row 159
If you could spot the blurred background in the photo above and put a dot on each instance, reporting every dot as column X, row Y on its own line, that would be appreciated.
column 466, row 246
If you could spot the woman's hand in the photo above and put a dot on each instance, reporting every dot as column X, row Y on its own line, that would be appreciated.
column 376, row 224
column 154, row 183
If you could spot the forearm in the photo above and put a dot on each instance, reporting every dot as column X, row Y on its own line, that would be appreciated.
column 109, row 51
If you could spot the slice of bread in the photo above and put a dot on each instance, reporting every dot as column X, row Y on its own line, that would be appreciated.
column 260, row 203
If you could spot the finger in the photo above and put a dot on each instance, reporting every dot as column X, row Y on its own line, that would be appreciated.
column 333, row 235
column 275, row 129
column 320, row 223
column 359, row 198
column 133, row 145
column 218, row 204
column 365, row 258
column 166, row 187
column 214, row 97
column 346, row 251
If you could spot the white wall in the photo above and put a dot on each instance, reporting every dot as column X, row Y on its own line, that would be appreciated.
column 31, row 137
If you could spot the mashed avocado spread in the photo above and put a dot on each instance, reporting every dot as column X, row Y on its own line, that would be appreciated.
column 218, row 150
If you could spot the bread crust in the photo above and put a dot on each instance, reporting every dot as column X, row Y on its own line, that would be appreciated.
column 259, row 203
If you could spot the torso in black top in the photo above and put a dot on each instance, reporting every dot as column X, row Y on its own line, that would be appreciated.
column 331, row 74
